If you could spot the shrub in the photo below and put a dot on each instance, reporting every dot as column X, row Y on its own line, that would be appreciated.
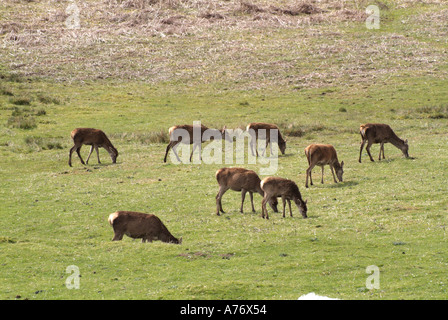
column 47, row 100
column 40, row 143
column 293, row 130
column 41, row 112
column 22, row 122
column 6, row 92
column 155, row 137
column 20, row 101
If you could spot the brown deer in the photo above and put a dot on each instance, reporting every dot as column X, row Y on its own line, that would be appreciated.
column 239, row 179
column 95, row 138
column 321, row 155
column 185, row 134
column 274, row 187
column 380, row 133
column 137, row 225
column 253, row 128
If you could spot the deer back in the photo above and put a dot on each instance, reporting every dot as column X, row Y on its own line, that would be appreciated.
column 320, row 154
column 277, row 187
column 377, row 132
column 239, row 178
column 140, row 225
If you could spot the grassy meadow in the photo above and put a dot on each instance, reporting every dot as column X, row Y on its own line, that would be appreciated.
column 135, row 68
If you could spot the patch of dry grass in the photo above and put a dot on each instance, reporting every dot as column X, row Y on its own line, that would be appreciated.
column 246, row 44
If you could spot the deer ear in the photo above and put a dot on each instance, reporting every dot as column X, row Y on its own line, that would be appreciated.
column 406, row 141
column 342, row 163
column 306, row 201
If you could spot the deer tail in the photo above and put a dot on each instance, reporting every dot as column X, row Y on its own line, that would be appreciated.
column 307, row 154
column 362, row 131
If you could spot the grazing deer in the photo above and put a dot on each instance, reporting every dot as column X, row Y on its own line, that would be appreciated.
column 95, row 138
column 148, row 227
column 239, row 179
column 253, row 128
column 380, row 133
column 321, row 155
column 274, row 187
column 185, row 134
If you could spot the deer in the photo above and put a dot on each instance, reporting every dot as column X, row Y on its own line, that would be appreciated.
column 179, row 134
column 137, row 225
column 253, row 128
column 380, row 133
column 288, row 190
column 96, row 139
column 321, row 155
column 239, row 179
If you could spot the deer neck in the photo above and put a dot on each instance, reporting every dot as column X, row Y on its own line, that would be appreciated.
column 336, row 164
column 397, row 142
column 110, row 148
column 280, row 138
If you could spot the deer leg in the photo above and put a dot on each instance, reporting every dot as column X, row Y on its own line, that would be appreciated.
column 166, row 152
column 266, row 147
column 175, row 152
column 172, row 144
column 332, row 171
column 252, row 200
column 369, row 144
column 308, row 174
column 274, row 204
column 251, row 145
column 243, row 196
column 284, row 205
column 263, row 207
column 148, row 238
column 220, row 205
column 194, row 148
column 381, row 151
column 221, row 192
column 254, row 145
column 79, row 154
column 322, row 180
column 90, row 153
column 311, row 178
column 70, row 155
column 360, row 150
column 290, row 211
column 97, row 154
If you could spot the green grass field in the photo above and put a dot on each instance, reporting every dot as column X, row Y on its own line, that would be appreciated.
column 134, row 74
